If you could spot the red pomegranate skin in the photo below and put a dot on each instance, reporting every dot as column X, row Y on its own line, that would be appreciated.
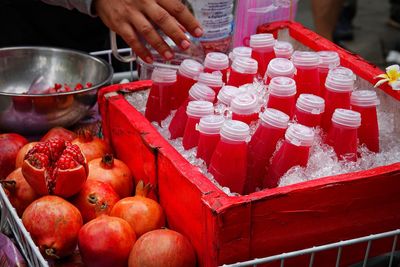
column 95, row 198
column 106, row 242
column 162, row 247
column 92, row 147
column 59, row 132
column 54, row 225
column 10, row 144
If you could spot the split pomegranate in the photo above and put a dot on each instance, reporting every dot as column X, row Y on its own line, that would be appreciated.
column 114, row 172
column 142, row 213
column 92, row 147
column 162, row 247
column 19, row 192
column 10, row 144
column 22, row 152
column 95, row 198
column 54, row 225
column 59, row 132
column 106, row 242
column 55, row 167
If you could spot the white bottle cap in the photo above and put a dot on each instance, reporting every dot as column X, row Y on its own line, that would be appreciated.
column 280, row 67
column 190, row 68
column 300, row 135
column 211, row 79
column 211, row 124
column 199, row 108
column 283, row 49
column 235, row 131
column 245, row 104
column 305, row 59
column 275, row 118
column 163, row 75
column 262, row 40
column 200, row 91
column 216, row 61
column 328, row 59
column 364, row 98
column 340, row 79
column 282, row 86
column 227, row 93
column 240, row 51
column 347, row 117
column 310, row 103
column 245, row 65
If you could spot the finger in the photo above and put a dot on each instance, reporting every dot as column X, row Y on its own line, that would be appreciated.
column 168, row 24
column 182, row 15
column 130, row 37
column 145, row 29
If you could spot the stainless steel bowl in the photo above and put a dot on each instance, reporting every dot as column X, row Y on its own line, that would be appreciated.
column 33, row 114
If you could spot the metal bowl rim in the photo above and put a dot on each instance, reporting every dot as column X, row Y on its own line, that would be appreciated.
column 57, row 49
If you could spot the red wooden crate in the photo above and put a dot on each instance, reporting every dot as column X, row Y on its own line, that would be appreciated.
column 227, row 229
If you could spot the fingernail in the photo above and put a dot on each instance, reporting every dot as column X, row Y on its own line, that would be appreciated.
column 168, row 55
column 185, row 44
column 148, row 60
column 198, row 32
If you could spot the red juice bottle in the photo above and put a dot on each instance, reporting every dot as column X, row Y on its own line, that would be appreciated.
column 279, row 67
column 158, row 104
column 307, row 76
column 243, row 71
column 195, row 111
column 217, row 62
column 245, row 108
column 209, row 128
column 198, row 91
column 342, row 135
column 187, row 75
column 240, row 51
column 227, row 94
column 273, row 124
column 283, row 49
column 262, row 46
column 282, row 95
column 365, row 102
column 295, row 151
column 212, row 80
column 328, row 60
column 339, row 84
column 309, row 109
column 228, row 163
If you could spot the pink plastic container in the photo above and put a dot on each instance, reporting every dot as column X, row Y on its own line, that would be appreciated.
column 343, row 133
column 198, row 91
column 307, row 76
column 209, row 128
column 216, row 61
column 243, row 71
column 212, row 80
column 309, row 110
column 273, row 124
column 280, row 67
column 365, row 102
column 295, row 151
column 158, row 104
column 245, row 108
column 262, row 46
column 195, row 111
column 229, row 161
column 240, row 51
column 283, row 49
column 282, row 95
column 328, row 60
column 187, row 75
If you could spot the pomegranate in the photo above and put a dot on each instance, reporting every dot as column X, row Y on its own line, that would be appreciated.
column 59, row 132
column 106, row 241
column 19, row 192
column 142, row 213
column 94, row 199
column 22, row 152
column 162, row 247
column 92, row 147
column 54, row 225
column 10, row 144
column 114, row 172
column 55, row 167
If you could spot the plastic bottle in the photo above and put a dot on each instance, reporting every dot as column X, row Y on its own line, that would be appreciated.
column 195, row 111
column 158, row 104
column 342, row 134
column 282, row 95
column 245, row 108
column 227, row 94
column 209, row 128
column 215, row 61
column 240, row 51
column 339, row 84
column 328, row 60
column 273, row 124
column 228, row 163
column 198, row 91
column 365, row 102
column 212, row 80
column 309, row 110
column 243, row 71
column 280, row 67
column 283, row 49
column 187, row 75
column 295, row 151
column 262, row 46
column 307, row 76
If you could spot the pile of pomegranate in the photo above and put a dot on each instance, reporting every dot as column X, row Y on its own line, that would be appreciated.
column 77, row 202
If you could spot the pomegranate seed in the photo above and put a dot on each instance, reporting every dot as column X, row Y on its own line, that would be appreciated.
column 66, row 162
column 39, row 160
column 56, row 147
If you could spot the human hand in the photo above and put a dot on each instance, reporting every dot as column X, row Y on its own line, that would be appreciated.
column 131, row 18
